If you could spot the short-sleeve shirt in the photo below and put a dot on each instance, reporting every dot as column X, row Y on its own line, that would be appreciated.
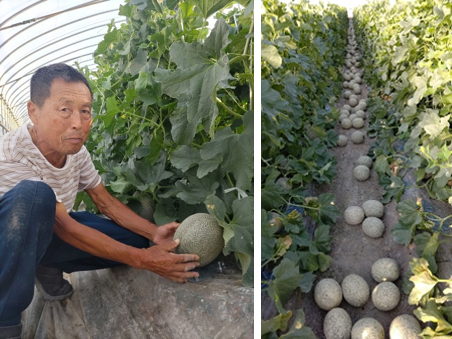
column 20, row 159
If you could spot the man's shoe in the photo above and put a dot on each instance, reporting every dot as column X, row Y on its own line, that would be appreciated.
column 51, row 284
column 11, row 332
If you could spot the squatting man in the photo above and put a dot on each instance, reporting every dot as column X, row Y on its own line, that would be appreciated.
column 42, row 167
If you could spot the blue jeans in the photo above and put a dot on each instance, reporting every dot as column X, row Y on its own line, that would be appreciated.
column 27, row 216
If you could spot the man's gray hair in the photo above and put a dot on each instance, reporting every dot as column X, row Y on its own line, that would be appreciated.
column 42, row 80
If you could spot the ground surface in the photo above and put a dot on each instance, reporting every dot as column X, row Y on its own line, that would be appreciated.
column 352, row 251
column 126, row 303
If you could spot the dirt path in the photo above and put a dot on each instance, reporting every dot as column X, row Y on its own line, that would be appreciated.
column 353, row 251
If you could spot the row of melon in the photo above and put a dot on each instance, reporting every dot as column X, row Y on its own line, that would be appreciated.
column 373, row 210
column 328, row 295
column 338, row 325
column 355, row 290
column 353, row 113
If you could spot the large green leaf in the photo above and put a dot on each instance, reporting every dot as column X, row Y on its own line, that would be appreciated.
column 216, row 207
column 399, row 54
column 109, row 38
column 193, row 190
column 307, row 281
column 145, row 176
column 154, row 5
column 403, row 233
column 208, row 7
column 121, row 185
column 185, row 157
column 424, row 282
column 433, row 124
column 328, row 212
column 433, row 314
column 410, row 212
column 201, row 67
column 270, row 54
column 112, row 110
column 287, row 278
column 238, row 234
column 239, row 162
column 272, row 103
column 168, row 210
column 426, row 246
column 278, row 322
column 138, row 63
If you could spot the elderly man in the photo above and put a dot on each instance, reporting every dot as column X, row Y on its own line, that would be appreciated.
column 42, row 167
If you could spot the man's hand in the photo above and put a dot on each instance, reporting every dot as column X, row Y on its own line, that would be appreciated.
column 165, row 233
column 162, row 260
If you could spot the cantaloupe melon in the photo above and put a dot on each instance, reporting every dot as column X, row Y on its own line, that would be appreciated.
column 202, row 235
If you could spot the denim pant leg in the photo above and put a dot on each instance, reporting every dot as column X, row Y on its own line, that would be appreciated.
column 27, row 216
column 71, row 259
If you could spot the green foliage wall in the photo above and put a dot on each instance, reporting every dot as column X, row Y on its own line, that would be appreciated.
column 302, row 52
column 407, row 50
column 174, row 123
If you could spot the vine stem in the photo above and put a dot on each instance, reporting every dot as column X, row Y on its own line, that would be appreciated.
column 302, row 206
column 228, row 109
column 229, row 180
column 248, row 42
column 274, row 255
column 181, row 23
column 235, row 101
column 238, row 58
column 155, row 197
column 202, row 29
column 447, row 281
column 141, row 117
column 266, row 162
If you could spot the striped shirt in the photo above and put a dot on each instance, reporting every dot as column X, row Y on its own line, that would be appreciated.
column 21, row 160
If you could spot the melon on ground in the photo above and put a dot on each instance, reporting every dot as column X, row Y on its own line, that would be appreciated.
column 337, row 324
column 355, row 290
column 327, row 294
column 386, row 296
column 405, row 326
column 368, row 328
column 385, row 269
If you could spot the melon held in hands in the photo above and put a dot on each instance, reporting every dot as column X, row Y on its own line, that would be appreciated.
column 202, row 235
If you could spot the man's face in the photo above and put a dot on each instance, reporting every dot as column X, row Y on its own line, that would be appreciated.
column 63, row 122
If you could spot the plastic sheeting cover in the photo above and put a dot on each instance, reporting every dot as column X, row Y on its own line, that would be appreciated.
column 41, row 32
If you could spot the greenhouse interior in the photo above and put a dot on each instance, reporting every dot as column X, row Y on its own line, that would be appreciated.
column 163, row 93
column 38, row 33
column 356, row 169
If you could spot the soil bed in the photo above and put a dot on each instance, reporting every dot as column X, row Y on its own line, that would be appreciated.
column 352, row 251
